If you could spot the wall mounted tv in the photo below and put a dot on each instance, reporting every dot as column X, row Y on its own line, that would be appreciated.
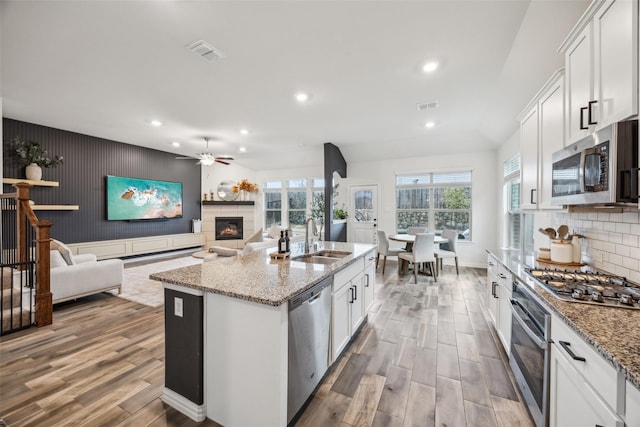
column 142, row 199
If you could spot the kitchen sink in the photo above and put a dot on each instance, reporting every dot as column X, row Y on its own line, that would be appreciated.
column 322, row 257
column 332, row 254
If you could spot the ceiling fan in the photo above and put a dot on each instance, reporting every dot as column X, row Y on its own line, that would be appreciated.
column 207, row 158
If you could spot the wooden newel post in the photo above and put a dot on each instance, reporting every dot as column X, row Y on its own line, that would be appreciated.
column 44, row 299
column 22, row 223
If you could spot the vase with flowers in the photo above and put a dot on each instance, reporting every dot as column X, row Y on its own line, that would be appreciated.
column 35, row 156
column 244, row 188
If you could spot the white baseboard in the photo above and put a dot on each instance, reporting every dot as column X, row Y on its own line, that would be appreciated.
column 180, row 403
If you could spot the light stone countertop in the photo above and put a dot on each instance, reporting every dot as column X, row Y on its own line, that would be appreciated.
column 613, row 332
column 258, row 278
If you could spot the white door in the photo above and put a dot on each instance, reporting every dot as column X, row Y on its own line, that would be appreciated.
column 363, row 213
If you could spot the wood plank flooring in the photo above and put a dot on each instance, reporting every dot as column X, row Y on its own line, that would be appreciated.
column 426, row 357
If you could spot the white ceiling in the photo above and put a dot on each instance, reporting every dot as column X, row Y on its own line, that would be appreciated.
column 106, row 68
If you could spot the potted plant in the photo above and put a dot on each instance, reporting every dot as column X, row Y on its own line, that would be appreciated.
column 35, row 156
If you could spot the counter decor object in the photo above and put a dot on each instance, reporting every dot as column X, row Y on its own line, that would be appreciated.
column 544, row 253
column 577, row 248
column 561, row 251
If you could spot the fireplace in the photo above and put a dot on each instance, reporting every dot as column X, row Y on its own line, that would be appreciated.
column 229, row 228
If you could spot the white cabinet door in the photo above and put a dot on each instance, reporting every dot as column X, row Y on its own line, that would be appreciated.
column 552, row 133
column 340, row 321
column 368, row 291
column 357, row 313
column 529, row 160
column 579, row 65
column 632, row 405
column 504, row 315
column 572, row 400
column 492, row 296
column 616, row 62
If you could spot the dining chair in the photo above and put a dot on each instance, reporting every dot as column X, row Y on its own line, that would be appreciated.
column 416, row 230
column 423, row 252
column 385, row 250
column 450, row 252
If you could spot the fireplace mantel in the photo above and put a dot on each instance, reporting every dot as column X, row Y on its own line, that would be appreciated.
column 223, row 203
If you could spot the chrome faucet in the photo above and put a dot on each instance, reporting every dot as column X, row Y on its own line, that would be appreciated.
column 306, row 233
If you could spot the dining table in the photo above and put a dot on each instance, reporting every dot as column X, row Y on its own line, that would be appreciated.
column 409, row 239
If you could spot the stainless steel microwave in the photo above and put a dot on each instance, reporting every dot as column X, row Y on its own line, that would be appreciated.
column 601, row 168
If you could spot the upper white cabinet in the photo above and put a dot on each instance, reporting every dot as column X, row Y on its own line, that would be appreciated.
column 601, row 58
column 541, row 134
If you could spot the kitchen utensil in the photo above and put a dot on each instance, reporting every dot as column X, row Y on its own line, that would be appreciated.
column 550, row 232
column 563, row 231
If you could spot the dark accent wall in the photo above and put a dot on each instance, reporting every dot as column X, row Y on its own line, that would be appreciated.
column 87, row 160
column 333, row 162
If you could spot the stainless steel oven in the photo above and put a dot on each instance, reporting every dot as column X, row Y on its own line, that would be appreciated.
column 529, row 358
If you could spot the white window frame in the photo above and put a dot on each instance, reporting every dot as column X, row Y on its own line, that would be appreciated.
column 512, row 232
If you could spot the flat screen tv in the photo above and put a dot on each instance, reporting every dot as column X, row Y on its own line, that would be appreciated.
column 142, row 199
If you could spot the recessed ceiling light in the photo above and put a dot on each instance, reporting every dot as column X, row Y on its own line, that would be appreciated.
column 156, row 123
column 429, row 125
column 244, row 132
column 302, row 97
column 175, row 144
column 242, row 149
column 430, row 66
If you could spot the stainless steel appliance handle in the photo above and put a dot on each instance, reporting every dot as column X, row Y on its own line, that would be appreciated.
column 583, row 157
column 566, row 346
column 541, row 343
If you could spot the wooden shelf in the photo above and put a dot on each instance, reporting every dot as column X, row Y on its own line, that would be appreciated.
column 55, row 207
column 233, row 203
column 28, row 181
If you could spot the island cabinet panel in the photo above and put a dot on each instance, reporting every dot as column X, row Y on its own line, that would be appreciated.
column 246, row 356
column 183, row 325
column 368, row 291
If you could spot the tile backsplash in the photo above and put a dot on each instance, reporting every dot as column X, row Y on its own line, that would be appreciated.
column 611, row 240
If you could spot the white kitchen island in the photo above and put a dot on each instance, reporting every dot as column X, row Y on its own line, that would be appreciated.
column 245, row 329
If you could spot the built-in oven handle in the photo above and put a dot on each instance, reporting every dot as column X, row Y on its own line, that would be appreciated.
column 566, row 347
column 541, row 343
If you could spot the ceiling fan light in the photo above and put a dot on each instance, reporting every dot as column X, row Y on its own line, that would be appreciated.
column 207, row 161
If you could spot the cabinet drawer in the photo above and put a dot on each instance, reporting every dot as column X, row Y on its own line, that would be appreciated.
column 492, row 264
column 597, row 371
column 503, row 274
column 369, row 259
column 345, row 275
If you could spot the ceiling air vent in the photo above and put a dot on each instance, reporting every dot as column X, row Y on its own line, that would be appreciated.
column 428, row 105
column 205, row 50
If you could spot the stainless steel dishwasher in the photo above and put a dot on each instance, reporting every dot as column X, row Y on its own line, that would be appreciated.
column 309, row 327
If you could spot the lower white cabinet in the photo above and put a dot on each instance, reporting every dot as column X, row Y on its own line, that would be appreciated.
column 632, row 405
column 504, row 317
column 573, row 401
column 498, row 300
column 368, row 290
column 352, row 294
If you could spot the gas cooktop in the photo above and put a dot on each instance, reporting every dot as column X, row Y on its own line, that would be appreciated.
column 588, row 287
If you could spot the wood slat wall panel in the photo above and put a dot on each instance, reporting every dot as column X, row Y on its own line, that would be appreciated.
column 87, row 160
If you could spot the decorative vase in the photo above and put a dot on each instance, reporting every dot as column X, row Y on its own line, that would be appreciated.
column 243, row 195
column 34, row 172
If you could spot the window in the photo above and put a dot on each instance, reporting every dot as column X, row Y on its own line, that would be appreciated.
column 272, row 203
column 302, row 197
column 512, row 202
column 297, row 204
column 437, row 200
